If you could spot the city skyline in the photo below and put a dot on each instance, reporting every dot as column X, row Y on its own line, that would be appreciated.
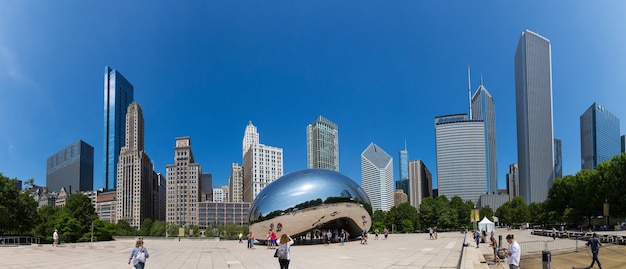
column 204, row 70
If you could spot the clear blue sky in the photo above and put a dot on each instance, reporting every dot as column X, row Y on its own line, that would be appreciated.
column 381, row 70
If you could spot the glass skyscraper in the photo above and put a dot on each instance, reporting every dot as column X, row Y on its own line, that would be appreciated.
column 533, row 102
column 483, row 108
column 461, row 157
column 322, row 140
column 118, row 94
column 403, row 165
column 599, row 136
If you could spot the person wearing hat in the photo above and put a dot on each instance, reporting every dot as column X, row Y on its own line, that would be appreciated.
column 55, row 237
column 595, row 245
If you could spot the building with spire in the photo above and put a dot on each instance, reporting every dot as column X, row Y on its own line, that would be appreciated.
column 118, row 94
column 183, row 185
column 483, row 108
column 322, row 140
column 134, row 189
column 261, row 164
column 377, row 177
column 403, row 168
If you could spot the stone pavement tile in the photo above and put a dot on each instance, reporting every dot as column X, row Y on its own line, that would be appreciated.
column 399, row 251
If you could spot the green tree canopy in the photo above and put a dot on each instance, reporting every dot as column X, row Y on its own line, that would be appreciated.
column 18, row 210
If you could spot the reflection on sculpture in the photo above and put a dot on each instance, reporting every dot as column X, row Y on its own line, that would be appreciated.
column 311, row 200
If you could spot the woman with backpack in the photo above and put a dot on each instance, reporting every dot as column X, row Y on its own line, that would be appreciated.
column 138, row 255
column 284, row 244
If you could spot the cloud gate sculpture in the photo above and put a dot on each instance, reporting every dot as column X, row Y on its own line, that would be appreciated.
column 306, row 202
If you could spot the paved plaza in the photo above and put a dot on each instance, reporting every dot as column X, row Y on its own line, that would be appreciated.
column 399, row 251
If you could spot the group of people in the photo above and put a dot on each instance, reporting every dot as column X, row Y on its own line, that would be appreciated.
column 513, row 253
column 271, row 239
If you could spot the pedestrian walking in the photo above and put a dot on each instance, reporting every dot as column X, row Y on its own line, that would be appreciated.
column 477, row 238
column 55, row 237
column 595, row 245
column 138, row 255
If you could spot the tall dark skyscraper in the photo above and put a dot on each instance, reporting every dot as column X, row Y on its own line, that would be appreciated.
column 118, row 94
column 71, row 167
column 533, row 102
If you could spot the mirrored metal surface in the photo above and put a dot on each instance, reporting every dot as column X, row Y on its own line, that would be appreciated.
column 305, row 202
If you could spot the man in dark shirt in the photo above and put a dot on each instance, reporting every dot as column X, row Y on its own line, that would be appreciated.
column 595, row 245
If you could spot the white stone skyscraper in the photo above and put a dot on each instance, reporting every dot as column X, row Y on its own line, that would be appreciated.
column 461, row 157
column 533, row 98
column 261, row 164
column 134, row 195
column 483, row 108
column 322, row 140
column 377, row 177
column 183, row 185
column 250, row 138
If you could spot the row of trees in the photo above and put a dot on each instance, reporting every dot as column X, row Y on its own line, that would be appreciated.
column 579, row 198
column 77, row 221
column 440, row 212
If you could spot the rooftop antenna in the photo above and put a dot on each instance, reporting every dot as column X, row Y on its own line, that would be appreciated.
column 469, row 91
column 405, row 144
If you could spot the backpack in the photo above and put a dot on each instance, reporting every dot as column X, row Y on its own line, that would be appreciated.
column 283, row 251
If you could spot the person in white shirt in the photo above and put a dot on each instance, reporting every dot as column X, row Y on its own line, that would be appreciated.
column 513, row 252
column 55, row 237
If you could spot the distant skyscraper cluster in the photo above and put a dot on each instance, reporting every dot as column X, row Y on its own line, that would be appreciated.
column 465, row 153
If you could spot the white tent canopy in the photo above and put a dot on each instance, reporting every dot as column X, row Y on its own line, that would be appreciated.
column 486, row 225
